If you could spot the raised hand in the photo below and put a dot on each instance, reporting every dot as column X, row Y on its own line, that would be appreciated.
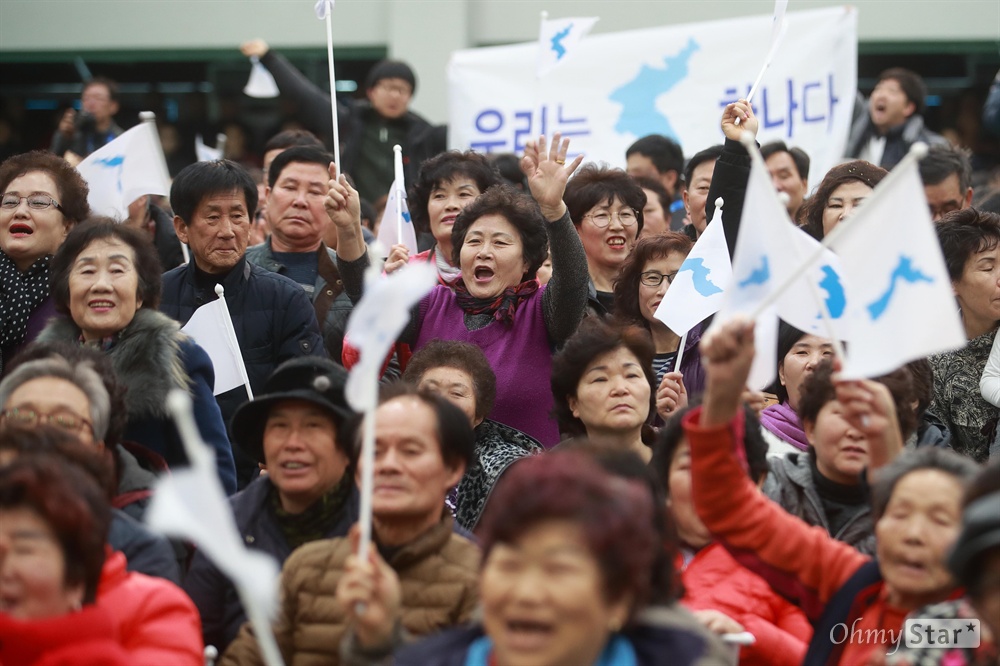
column 727, row 354
column 547, row 172
column 399, row 256
column 869, row 408
column 748, row 121
column 371, row 596
column 254, row 48
column 671, row 396
column 343, row 205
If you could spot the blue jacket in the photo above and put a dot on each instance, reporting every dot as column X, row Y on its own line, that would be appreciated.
column 221, row 611
column 273, row 320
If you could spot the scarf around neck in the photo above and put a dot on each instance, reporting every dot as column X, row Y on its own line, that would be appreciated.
column 782, row 420
column 446, row 271
column 501, row 307
column 20, row 294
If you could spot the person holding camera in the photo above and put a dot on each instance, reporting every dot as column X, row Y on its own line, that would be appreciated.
column 81, row 133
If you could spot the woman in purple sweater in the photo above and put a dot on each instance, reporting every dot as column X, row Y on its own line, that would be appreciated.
column 499, row 241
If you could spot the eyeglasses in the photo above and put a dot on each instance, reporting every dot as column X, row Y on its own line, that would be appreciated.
column 35, row 202
column 656, row 278
column 601, row 220
column 398, row 88
column 30, row 418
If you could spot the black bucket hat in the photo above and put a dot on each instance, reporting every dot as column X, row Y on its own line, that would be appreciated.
column 980, row 533
column 313, row 379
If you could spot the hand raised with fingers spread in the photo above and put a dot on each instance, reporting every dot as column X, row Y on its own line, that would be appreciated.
column 748, row 121
column 547, row 173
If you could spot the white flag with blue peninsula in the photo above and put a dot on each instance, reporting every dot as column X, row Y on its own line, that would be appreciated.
column 559, row 38
column 900, row 300
column 396, row 226
column 697, row 290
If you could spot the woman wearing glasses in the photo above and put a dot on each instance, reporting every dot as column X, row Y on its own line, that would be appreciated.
column 643, row 282
column 606, row 208
column 43, row 197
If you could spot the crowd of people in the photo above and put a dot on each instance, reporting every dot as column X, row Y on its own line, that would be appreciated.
column 560, row 479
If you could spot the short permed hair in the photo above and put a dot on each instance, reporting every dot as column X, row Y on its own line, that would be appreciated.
column 71, row 504
column 799, row 156
column 614, row 515
column 818, row 389
column 594, row 338
column 200, row 180
column 462, row 356
column 963, row 234
column 517, row 208
column 593, row 185
column 73, row 189
column 960, row 467
column 810, row 216
column 626, row 289
column 665, row 153
column 912, row 84
column 444, row 168
column 147, row 260
column 943, row 160
column 81, row 375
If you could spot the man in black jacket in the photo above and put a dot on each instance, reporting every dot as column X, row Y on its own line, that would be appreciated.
column 368, row 129
column 273, row 318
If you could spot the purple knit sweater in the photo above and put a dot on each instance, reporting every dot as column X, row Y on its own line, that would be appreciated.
column 519, row 355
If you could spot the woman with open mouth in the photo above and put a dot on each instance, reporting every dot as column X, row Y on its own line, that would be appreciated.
column 499, row 241
column 43, row 198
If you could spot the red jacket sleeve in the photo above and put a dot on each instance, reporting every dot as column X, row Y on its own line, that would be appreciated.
column 738, row 514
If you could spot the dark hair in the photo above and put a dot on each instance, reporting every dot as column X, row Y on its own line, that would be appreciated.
column 922, row 373
column 964, row 233
column 443, row 168
column 943, row 160
column 818, row 389
column 799, row 156
column 711, row 153
column 305, row 154
column 391, row 69
column 77, row 354
column 461, row 356
column 912, row 84
column 810, row 216
column 594, row 338
column 147, row 260
column 672, row 434
column 915, row 460
column 613, row 513
column 508, row 165
column 454, row 432
column 517, row 208
column 291, row 138
column 112, row 86
column 990, row 202
column 71, row 504
column 788, row 335
column 626, row 289
column 665, row 153
column 986, row 482
column 73, row 189
column 593, row 185
column 647, row 183
column 200, row 180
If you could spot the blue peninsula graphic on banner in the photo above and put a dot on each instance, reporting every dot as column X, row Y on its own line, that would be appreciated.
column 608, row 89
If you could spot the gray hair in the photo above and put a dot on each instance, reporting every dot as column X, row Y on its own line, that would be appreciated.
column 82, row 375
column 926, row 458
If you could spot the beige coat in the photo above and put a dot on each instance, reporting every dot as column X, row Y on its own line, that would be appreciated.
column 438, row 573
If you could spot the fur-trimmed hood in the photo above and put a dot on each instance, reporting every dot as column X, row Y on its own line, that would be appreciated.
column 146, row 359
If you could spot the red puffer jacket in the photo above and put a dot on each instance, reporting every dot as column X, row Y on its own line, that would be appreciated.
column 83, row 638
column 157, row 622
column 713, row 580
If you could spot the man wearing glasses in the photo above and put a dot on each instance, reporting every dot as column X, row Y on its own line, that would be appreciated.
column 82, row 133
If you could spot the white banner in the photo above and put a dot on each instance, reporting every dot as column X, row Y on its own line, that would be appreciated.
column 672, row 80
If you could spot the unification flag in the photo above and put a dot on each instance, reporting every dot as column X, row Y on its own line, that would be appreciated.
column 558, row 39
column 391, row 231
column 125, row 169
column 209, row 326
column 894, row 275
column 697, row 290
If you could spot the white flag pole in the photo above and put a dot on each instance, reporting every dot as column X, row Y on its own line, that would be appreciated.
column 397, row 167
column 328, row 11
column 367, row 484
column 777, row 34
column 234, row 343
column 680, row 352
column 220, row 145
column 917, row 151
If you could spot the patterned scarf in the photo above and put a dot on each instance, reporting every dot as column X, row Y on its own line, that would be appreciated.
column 502, row 307
column 313, row 523
column 20, row 294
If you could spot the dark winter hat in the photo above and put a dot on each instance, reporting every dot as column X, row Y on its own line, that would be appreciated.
column 980, row 533
column 315, row 380
column 391, row 69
